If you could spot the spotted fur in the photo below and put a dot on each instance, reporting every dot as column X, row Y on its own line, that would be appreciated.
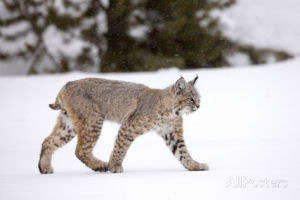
column 86, row 103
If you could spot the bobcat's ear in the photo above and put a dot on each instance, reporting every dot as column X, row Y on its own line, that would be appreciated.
column 180, row 85
column 193, row 82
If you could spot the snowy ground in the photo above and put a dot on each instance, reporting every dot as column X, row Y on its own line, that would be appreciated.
column 247, row 130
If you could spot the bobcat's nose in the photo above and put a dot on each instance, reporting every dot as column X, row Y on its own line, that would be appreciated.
column 194, row 108
column 198, row 106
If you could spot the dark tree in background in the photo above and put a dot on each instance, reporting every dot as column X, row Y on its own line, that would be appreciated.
column 178, row 33
column 118, row 35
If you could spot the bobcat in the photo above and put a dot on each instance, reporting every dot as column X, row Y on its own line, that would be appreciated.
column 85, row 104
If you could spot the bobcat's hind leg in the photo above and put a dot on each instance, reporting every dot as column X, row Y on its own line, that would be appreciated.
column 87, row 137
column 62, row 133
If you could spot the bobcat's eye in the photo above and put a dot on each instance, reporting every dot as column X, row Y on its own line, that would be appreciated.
column 192, row 100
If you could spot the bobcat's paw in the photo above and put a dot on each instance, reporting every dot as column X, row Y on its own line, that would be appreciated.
column 199, row 167
column 45, row 169
column 116, row 168
column 102, row 168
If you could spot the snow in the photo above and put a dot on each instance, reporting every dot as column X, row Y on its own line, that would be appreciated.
column 75, row 11
column 239, row 59
column 6, row 14
column 139, row 32
column 54, row 39
column 9, row 46
column 264, row 23
column 19, row 27
column 246, row 129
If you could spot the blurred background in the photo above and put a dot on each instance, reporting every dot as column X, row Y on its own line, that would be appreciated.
column 55, row 36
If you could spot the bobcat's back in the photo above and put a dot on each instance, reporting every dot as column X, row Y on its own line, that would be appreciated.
column 115, row 99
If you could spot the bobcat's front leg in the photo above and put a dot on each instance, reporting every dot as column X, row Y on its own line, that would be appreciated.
column 125, row 137
column 173, row 136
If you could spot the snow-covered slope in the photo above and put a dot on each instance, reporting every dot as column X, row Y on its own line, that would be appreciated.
column 265, row 23
column 247, row 130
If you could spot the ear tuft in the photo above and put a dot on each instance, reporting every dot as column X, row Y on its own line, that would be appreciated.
column 180, row 85
column 193, row 82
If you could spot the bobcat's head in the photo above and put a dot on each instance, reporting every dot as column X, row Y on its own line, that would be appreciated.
column 187, row 98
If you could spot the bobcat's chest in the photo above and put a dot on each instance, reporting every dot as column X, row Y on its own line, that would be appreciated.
column 165, row 119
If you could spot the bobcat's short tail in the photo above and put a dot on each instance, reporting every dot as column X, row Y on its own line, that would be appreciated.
column 57, row 104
